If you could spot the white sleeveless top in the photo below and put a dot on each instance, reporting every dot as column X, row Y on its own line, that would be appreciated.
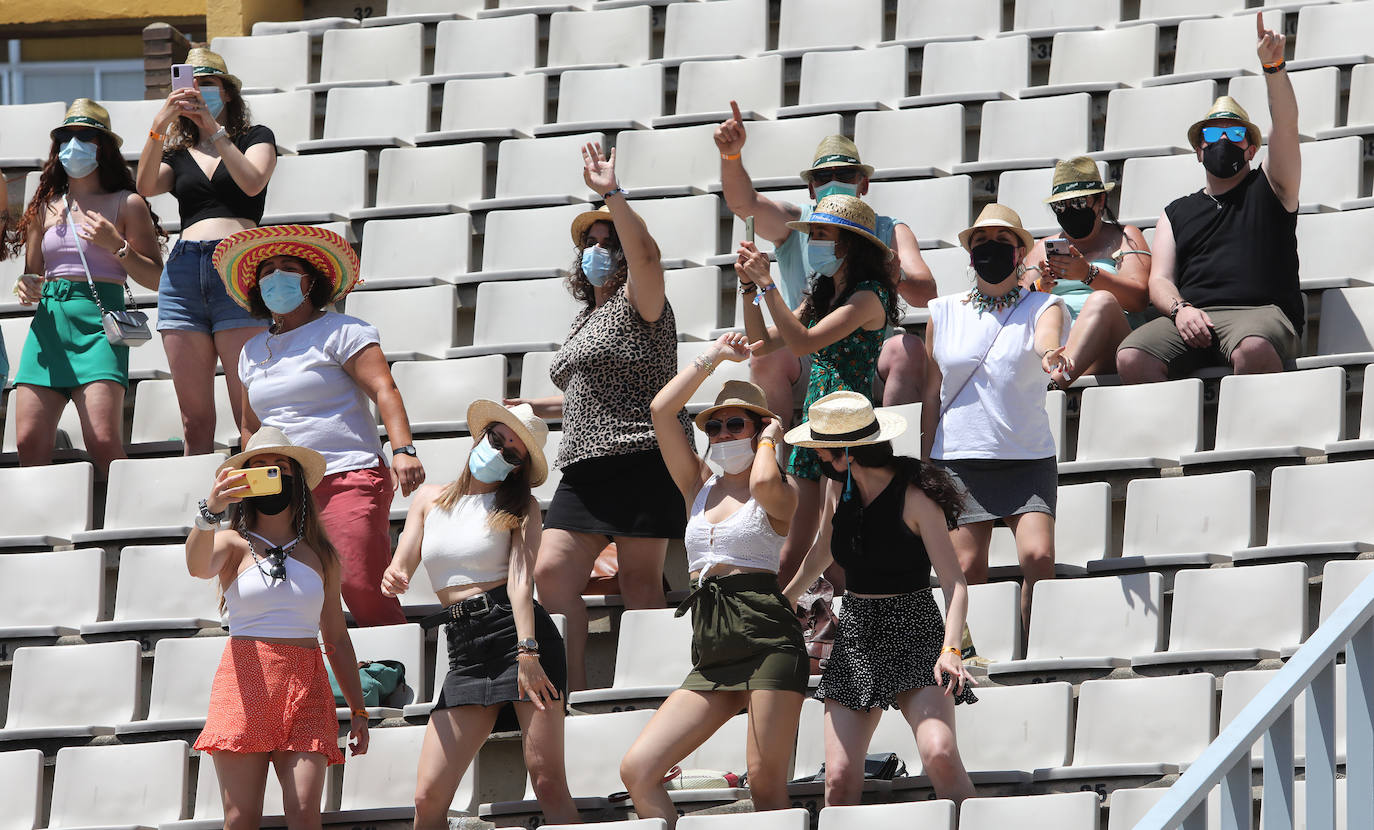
column 460, row 548
column 744, row 539
column 259, row 606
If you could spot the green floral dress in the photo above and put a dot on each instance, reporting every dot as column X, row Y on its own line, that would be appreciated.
column 849, row 364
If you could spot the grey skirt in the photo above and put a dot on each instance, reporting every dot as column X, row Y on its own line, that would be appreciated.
column 998, row 489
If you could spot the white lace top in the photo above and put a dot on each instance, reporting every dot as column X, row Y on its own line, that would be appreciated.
column 744, row 539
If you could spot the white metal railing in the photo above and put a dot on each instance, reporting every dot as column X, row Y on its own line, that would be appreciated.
column 1270, row 716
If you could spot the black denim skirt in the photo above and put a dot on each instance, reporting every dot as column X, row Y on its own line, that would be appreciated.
column 482, row 665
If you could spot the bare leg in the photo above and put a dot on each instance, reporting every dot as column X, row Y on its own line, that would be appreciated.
column 1035, row 548
column 1139, row 366
column 776, row 374
column 101, row 407
column 931, row 715
column 452, row 741
column 641, row 571
column 802, row 534
column 228, row 344
column 1255, row 355
column 773, row 719
column 242, row 782
column 560, row 572
column 37, row 411
column 544, row 758
column 683, row 723
column 971, row 546
column 302, row 783
column 902, row 366
column 847, row 735
column 1095, row 336
column 191, row 357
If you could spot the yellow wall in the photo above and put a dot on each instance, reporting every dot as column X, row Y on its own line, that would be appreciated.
column 236, row 17
column 57, row 11
column 113, row 47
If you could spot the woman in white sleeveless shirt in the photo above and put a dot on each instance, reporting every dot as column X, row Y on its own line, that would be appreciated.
column 747, row 648
column 477, row 538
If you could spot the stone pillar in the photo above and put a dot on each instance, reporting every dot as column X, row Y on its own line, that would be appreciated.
column 163, row 45
column 236, row 17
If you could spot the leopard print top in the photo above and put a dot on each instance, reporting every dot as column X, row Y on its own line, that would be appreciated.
column 610, row 368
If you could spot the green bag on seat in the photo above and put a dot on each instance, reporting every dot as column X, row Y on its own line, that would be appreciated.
column 380, row 678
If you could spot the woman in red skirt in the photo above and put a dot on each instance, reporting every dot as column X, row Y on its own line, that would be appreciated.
column 279, row 576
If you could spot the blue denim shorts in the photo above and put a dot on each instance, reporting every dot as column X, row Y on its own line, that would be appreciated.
column 191, row 296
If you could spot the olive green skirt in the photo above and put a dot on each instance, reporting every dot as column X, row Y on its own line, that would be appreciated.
column 744, row 636
column 67, row 347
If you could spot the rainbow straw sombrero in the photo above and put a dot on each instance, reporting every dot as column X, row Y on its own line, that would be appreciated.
column 237, row 257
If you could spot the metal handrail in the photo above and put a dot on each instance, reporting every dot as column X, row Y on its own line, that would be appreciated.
column 1270, row 716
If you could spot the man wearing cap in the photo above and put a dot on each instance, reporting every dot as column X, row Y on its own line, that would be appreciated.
column 1225, row 265
column 836, row 169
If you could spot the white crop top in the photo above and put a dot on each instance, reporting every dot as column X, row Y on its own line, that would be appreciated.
column 259, row 606
column 460, row 548
column 744, row 539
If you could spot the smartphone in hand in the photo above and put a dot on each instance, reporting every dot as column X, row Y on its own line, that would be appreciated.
column 183, row 76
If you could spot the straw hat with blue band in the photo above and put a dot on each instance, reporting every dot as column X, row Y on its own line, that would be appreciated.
column 845, row 419
column 846, row 212
column 86, row 113
column 1076, row 177
column 237, row 257
column 206, row 63
column 1225, row 108
column 836, row 151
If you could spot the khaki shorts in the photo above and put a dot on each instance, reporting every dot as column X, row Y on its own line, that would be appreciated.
column 1230, row 325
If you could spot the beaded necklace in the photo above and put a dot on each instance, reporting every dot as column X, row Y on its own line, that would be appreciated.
column 982, row 302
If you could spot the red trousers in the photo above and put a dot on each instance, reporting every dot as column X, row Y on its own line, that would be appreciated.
column 355, row 506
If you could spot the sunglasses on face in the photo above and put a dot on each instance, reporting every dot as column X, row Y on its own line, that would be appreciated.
column 1077, row 203
column 848, row 175
column 84, row 134
column 734, row 426
column 1235, row 135
column 508, row 453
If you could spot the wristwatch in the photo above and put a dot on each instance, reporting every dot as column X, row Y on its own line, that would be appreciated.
column 408, row 449
column 617, row 189
column 529, row 645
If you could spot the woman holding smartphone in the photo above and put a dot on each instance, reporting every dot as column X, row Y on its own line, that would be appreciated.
column 278, row 577
column 477, row 538
column 204, row 149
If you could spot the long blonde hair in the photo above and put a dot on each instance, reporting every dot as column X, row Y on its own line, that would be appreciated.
column 512, row 501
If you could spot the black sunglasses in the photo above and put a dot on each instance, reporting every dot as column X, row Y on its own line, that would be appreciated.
column 508, row 453
column 848, row 175
column 1077, row 203
column 734, row 426
column 78, row 133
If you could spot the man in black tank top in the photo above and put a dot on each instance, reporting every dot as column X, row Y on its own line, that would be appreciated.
column 1225, row 265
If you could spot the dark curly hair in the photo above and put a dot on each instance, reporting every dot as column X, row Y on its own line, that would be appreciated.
column 938, row 485
column 321, row 290
column 862, row 261
column 185, row 134
column 9, row 234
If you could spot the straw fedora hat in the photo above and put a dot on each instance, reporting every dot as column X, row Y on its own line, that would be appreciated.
column 836, row 151
column 86, row 113
column 273, row 440
column 204, row 62
column 847, row 212
column 582, row 221
column 523, row 422
column 998, row 216
column 1076, row 177
column 1224, row 108
column 237, row 257
column 845, row 419
column 736, row 393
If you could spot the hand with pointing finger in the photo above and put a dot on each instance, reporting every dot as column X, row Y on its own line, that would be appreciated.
column 1270, row 45
column 730, row 134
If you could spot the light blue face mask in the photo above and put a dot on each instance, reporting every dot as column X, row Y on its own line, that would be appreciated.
column 821, row 257
column 281, row 291
column 486, row 464
column 78, row 158
column 836, row 188
column 596, row 264
column 214, row 101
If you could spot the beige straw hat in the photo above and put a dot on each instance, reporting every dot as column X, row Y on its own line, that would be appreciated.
column 1224, row 108
column 86, row 113
column 845, row 419
column 533, row 432
column 736, row 393
column 582, row 221
column 1076, row 177
column 204, row 62
column 998, row 216
column 848, row 212
column 273, row 440
column 836, row 151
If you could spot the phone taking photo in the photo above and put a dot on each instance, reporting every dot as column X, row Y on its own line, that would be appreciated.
column 262, row 481
column 748, row 229
column 1058, row 247
column 183, row 76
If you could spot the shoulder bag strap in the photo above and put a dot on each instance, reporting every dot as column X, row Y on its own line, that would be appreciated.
column 81, row 251
column 984, row 358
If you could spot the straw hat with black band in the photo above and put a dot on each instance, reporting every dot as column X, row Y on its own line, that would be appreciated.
column 582, row 221
column 836, row 151
column 847, row 212
column 1224, row 108
column 274, row 441
column 1076, row 177
column 238, row 256
column 521, row 420
column 205, row 63
column 845, row 419
column 996, row 217
column 86, row 113
column 736, row 394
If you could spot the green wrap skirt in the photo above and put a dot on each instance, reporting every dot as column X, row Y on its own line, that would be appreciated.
column 744, row 636
column 67, row 347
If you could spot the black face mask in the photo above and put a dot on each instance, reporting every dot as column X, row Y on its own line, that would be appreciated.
column 828, row 470
column 1077, row 222
column 993, row 261
column 277, row 502
column 1223, row 159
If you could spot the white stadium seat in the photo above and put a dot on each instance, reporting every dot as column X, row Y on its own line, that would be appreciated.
column 421, row 181
column 380, row 784
column 602, row 39
column 413, row 323
column 705, row 89
column 1303, row 412
column 50, row 594
column 21, row 789
column 711, row 31
column 1317, row 89
column 1098, row 61
column 914, row 143
column 326, row 187
column 291, row 115
column 1042, row 18
column 140, row 785
column 32, row 517
column 850, row 81
column 1334, row 36
column 477, row 109
column 267, row 63
column 155, row 592
column 1216, row 47
column 1024, row 191
column 790, row 819
column 860, row 27
column 521, row 316
column 527, row 244
column 370, row 57
column 1060, row 811
column 935, row 209
column 438, row 392
column 653, row 654
column 1154, row 121
column 416, row 251
column 925, row 21
column 1033, row 133
column 157, row 424
column 1185, row 521
column 607, row 99
column 541, row 171
column 1316, row 511
column 183, row 672
column 1137, row 427
column 399, row 12
column 934, row 815
column 24, row 141
column 974, row 70
column 484, row 48
column 372, row 118
column 72, row 691
column 1171, row 12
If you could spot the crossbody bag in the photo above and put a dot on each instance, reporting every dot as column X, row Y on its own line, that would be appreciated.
column 122, row 328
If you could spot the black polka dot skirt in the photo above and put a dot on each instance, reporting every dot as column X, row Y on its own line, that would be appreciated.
column 885, row 646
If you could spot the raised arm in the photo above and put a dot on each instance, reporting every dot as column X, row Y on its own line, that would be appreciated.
column 644, row 287
column 209, row 551
column 925, row 517
column 774, row 490
column 154, row 175
column 685, row 466
column 531, row 680
column 770, row 217
column 370, row 371
column 250, row 171
column 1284, row 165
column 863, row 309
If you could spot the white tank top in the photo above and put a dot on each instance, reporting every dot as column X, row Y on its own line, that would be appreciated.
column 460, row 548
column 744, row 539
column 260, row 606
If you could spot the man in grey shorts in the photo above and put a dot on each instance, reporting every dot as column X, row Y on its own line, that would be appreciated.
column 1225, row 266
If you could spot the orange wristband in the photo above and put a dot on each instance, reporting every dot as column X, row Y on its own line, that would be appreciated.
column 730, row 156
column 156, row 136
column 359, row 713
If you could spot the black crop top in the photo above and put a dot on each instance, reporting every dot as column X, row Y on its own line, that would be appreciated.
column 200, row 198
column 879, row 553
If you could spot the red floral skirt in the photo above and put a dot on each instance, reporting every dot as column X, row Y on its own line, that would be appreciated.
column 268, row 697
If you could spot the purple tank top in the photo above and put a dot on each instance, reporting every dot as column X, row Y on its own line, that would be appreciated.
column 61, row 259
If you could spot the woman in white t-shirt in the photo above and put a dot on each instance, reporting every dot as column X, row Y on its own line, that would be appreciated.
column 983, row 417
column 313, row 374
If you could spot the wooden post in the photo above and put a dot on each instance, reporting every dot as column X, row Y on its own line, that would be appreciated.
column 163, row 46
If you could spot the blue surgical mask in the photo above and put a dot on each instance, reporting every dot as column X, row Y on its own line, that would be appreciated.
column 78, row 158
column 821, row 257
column 596, row 264
column 836, row 188
column 281, row 291
column 214, row 102
column 486, row 464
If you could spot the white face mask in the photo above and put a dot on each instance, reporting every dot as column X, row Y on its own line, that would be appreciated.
column 731, row 457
